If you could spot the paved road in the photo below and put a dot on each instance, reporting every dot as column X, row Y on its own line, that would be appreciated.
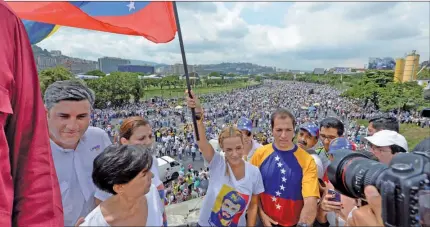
column 197, row 164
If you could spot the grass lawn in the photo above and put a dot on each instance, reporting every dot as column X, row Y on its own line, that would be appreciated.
column 179, row 92
column 414, row 134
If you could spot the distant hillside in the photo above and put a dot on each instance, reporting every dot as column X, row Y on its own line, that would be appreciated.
column 225, row 67
column 39, row 51
column 140, row 62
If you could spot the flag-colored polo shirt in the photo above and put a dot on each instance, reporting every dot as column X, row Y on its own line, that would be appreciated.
column 288, row 177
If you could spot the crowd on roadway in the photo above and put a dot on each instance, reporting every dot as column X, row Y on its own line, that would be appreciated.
column 308, row 102
column 191, row 184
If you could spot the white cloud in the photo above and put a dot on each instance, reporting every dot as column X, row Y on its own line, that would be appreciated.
column 313, row 35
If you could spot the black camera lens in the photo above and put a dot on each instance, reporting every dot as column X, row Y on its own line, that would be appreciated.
column 350, row 172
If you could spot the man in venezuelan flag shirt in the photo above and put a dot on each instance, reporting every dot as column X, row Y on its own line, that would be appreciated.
column 289, row 176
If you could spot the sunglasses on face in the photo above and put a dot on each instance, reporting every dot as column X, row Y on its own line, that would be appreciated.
column 323, row 137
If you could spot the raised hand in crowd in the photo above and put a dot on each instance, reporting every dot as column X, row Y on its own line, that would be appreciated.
column 193, row 102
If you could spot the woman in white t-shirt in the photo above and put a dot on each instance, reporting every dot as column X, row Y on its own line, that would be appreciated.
column 123, row 171
column 234, row 184
column 136, row 130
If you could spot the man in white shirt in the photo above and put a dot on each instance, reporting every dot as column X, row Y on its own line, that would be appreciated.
column 245, row 126
column 74, row 145
column 193, row 152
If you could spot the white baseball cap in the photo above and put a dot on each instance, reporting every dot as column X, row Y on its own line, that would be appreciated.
column 385, row 138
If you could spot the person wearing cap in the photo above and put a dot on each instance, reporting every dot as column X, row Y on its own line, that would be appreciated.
column 307, row 138
column 245, row 126
column 340, row 143
column 385, row 144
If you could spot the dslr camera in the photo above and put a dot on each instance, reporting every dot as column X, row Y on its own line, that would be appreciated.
column 404, row 185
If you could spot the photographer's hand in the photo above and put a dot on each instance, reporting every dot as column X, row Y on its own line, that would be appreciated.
column 371, row 214
column 328, row 206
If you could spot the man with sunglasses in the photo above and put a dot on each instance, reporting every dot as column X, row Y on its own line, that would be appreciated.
column 385, row 144
column 382, row 122
column 330, row 129
column 245, row 126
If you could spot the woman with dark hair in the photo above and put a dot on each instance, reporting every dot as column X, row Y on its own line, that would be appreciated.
column 137, row 131
column 123, row 171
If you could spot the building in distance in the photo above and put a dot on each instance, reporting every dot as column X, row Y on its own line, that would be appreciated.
column 110, row 64
column 343, row 70
column 146, row 69
column 319, row 71
column 386, row 63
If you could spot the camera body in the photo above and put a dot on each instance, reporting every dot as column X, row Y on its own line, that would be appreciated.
column 399, row 183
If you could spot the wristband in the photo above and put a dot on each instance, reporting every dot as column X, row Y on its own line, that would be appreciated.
column 199, row 116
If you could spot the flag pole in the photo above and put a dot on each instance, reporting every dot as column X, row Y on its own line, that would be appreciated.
column 184, row 62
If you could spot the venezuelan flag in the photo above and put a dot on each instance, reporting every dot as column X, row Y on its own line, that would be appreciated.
column 153, row 20
column 38, row 31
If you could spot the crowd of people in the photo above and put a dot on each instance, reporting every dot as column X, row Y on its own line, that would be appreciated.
column 285, row 171
column 309, row 103
column 315, row 108
column 191, row 184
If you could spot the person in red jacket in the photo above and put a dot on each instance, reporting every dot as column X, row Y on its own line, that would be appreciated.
column 29, row 190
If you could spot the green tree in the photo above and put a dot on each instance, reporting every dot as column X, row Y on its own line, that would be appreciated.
column 50, row 75
column 172, row 80
column 214, row 74
column 96, row 73
column 370, row 86
column 400, row 96
column 258, row 78
column 424, row 75
column 117, row 88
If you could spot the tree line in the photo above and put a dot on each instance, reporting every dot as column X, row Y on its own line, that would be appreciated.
column 119, row 88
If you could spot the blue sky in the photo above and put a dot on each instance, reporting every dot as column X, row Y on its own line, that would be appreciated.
column 252, row 15
column 286, row 35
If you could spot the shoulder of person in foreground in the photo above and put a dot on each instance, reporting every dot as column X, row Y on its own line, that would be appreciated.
column 30, row 156
column 260, row 154
column 310, row 186
column 96, row 133
column 319, row 164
